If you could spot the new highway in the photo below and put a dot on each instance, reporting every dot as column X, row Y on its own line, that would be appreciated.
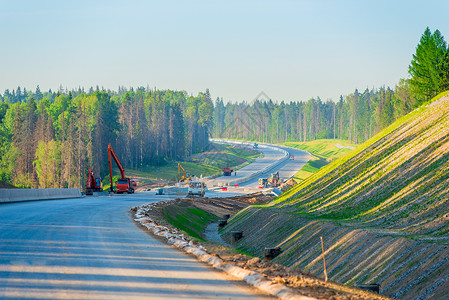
column 90, row 248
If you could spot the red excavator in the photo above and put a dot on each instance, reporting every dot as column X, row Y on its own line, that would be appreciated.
column 124, row 185
column 93, row 184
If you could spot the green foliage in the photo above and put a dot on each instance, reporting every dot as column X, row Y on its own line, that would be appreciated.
column 145, row 128
column 429, row 67
column 48, row 164
column 106, row 182
column 8, row 162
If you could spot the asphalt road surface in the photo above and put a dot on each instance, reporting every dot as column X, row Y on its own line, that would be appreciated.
column 89, row 248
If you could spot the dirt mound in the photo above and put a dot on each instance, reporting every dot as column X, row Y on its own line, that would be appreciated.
column 288, row 184
column 231, row 205
column 5, row 185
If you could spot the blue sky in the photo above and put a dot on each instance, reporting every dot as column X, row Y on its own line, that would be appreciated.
column 291, row 50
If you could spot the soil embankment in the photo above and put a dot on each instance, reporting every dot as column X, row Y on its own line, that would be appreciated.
column 381, row 211
column 304, row 282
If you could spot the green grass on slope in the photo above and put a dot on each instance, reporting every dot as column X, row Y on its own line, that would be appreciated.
column 188, row 219
column 337, row 163
column 324, row 151
column 398, row 179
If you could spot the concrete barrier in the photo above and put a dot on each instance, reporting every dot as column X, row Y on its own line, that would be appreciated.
column 175, row 190
column 19, row 195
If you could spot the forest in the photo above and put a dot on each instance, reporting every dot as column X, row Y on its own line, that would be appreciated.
column 50, row 139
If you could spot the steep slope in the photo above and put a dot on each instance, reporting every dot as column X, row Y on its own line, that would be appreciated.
column 382, row 210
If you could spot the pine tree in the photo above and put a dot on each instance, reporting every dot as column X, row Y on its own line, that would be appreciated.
column 443, row 72
column 38, row 95
column 426, row 78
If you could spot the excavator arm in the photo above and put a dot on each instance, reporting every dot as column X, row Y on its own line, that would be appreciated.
column 117, row 161
column 181, row 178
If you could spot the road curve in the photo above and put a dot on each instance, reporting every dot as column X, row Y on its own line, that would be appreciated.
column 89, row 248
column 287, row 168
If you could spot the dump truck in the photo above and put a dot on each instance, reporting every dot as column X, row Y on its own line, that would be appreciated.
column 196, row 188
column 227, row 171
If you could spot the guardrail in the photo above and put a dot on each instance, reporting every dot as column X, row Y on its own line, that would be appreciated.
column 19, row 195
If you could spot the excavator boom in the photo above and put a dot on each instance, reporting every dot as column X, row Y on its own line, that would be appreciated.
column 183, row 177
column 117, row 161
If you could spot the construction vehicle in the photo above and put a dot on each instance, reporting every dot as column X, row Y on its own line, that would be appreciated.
column 93, row 184
column 183, row 177
column 227, row 171
column 274, row 180
column 124, row 184
column 196, row 188
column 263, row 182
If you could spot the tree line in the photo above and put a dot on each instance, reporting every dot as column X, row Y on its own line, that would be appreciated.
column 51, row 139
column 356, row 117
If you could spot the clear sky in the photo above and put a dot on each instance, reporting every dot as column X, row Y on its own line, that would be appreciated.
column 291, row 50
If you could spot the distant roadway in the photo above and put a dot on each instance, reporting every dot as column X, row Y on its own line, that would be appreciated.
column 89, row 248
column 286, row 169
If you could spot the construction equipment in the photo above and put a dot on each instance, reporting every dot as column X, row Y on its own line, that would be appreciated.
column 184, row 176
column 227, row 171
column 263, row 182
column 124, row 185
column 274, row 180
column 93, row 184
column 196, row 188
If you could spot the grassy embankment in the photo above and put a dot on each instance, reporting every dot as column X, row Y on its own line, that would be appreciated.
column 189, row 219
column 382, row 211
column 324, row 152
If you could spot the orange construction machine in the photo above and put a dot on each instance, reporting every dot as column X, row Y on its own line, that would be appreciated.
column 93, row 184
column 227, row 171
column 124, row 185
